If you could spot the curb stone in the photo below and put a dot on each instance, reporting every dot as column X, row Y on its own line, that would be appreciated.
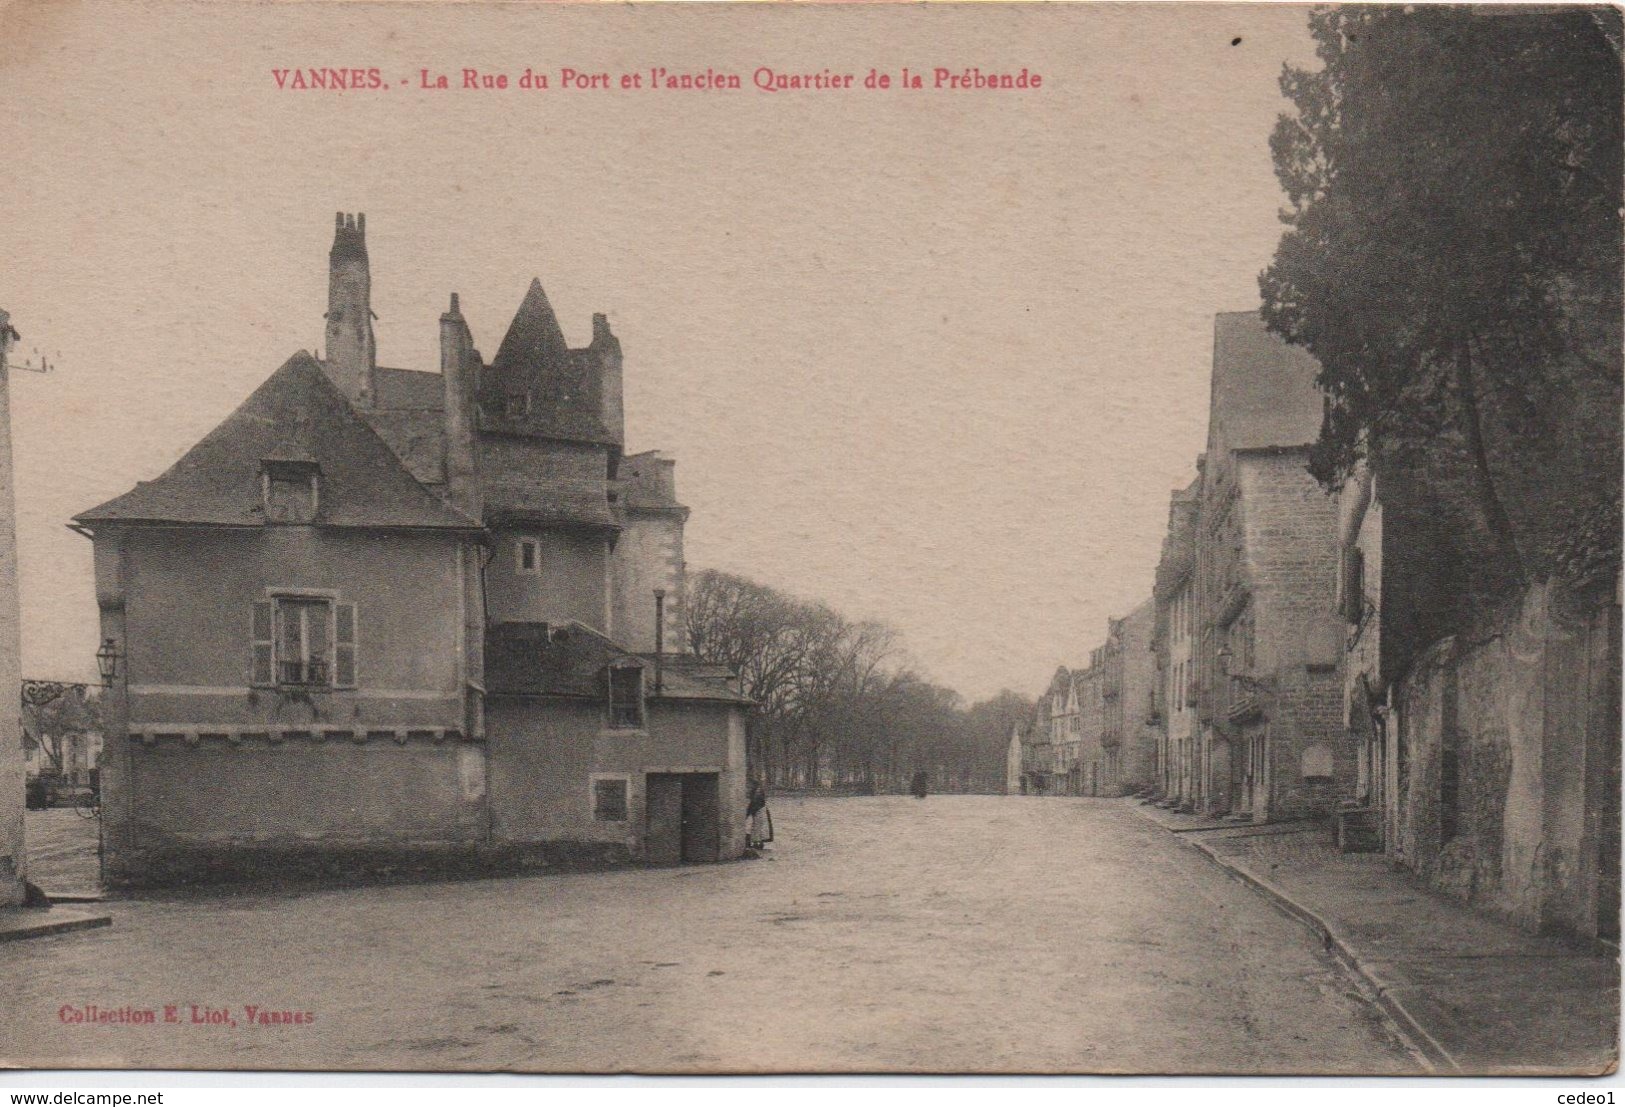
column 1411, row 1031
column 1416, row 1035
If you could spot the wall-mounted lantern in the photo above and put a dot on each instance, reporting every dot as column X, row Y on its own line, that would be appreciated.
column 107, row 662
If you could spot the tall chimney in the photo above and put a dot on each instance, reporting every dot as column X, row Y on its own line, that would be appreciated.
column 352, row 353
column 459, row 370
column 606, row 350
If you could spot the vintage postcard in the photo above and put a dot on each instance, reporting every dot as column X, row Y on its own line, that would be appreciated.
column 863, row 538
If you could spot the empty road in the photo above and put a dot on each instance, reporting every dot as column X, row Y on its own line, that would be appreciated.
column 957, row 933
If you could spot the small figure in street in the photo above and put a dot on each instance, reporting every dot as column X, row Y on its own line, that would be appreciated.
column 761, row 823
column 921, row 785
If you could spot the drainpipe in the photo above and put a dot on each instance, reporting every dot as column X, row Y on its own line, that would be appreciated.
column 660, row 638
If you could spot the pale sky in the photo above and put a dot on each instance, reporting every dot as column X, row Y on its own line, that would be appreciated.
column 936, row 358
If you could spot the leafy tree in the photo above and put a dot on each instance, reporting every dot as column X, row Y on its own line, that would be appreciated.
column 52, row 726
column 1452, row 259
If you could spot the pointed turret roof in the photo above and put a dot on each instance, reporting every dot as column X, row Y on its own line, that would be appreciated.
column 539, row 387
column 297, row 413
column 534, row 337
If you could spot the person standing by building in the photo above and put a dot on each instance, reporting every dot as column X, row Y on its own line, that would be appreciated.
column 761, row 823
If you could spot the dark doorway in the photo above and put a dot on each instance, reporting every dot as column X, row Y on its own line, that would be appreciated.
column 701, row 825
column 683, row 818
column 663, row 835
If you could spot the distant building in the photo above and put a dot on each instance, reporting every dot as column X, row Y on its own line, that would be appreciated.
column 1138, row 713
column 1097, row 699
column 1173, row 643
column 385, row 616
column 1050, row 758
column 79, row 753
column 1013, row 783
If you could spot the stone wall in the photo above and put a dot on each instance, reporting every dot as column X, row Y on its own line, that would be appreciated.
column 1508, row 754
column 545, row 756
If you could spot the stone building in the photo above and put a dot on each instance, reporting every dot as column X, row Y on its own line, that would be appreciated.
column 1271, row 741
column 1139, row 712
column 1173, row 640
column 1095, row 750
column 389, row 616
column 1105, row 718
column 1050, row 754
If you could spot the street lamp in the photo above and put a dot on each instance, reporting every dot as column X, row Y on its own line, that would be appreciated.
column 107, row 662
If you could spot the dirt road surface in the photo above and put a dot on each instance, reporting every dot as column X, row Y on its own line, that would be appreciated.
column 951, row 934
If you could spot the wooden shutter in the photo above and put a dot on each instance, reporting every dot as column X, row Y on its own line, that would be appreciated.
column 261, row 670
column 344, row 645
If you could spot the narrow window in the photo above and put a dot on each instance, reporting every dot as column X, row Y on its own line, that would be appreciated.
column 626, row 696
column 516, row 405
column 609, row 800
column 528, row 556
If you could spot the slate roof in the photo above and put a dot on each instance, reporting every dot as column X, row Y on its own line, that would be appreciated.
column 564, row 385
column 297, row 412
column 408, row 390
column 531, row 659
column 418, row 438
column 540, row 500
column 534, row 337
column 1264, row 390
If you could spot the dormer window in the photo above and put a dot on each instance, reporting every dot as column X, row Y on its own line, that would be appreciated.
column 290, row 490
column 626, row 696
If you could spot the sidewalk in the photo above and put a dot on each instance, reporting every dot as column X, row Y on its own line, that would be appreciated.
column 1475, row 995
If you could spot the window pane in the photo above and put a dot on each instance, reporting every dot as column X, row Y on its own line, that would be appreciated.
column 626, row 696
column 609, row 800
column 316, row 648
column 303, row 642
column 291, row 638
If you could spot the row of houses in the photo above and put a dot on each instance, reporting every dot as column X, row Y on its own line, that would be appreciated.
column 1293, row 663
column 387, row 617
column 1094, row 731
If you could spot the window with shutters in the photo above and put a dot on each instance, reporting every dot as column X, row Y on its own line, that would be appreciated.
column 304, row 642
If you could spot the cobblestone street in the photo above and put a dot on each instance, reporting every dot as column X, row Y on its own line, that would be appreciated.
column 976, row 933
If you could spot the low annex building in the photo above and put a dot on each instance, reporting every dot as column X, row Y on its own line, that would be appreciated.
column 386, row 616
